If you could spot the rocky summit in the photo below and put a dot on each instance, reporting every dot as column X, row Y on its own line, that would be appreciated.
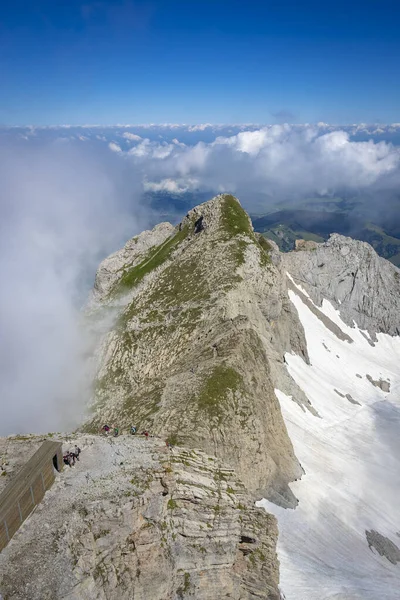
column 264, row 379
column 202, row 324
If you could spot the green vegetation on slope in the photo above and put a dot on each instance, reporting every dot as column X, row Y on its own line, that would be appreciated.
column 264, row 243
column 235, row 221
column 155, row 258
column 163, row 317
column 266, row 249
column 178, row 284
column 181, row 282
column 187, row 279
column 215, row 390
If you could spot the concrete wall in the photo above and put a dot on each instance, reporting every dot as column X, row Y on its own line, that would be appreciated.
column 27, row 489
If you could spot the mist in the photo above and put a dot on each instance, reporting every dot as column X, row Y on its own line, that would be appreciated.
column 63, row 208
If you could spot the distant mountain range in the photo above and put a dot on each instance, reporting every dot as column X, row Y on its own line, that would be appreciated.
column 362, row 218
column 316, row 218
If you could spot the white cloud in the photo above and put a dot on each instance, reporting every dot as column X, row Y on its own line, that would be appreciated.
column 280, row 159
column 63, row 209
column 162, row 151
column 252, row 142
column 171, row 186
column 200, row 127
column 141, row 150
column 192, row 159
column 275, row 160
column 149, row 149
column 131, row 136
column 114, row 147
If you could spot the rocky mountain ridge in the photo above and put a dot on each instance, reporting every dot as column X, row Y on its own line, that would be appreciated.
column 203, row 320
column 363, row 286
column 199, row 338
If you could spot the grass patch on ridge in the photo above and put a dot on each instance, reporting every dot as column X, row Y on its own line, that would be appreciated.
column 234, row 218
column 155, row 258
column 235, row 221
column 215, row 390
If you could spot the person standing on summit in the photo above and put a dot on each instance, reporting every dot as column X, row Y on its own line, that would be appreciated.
column 77, row 452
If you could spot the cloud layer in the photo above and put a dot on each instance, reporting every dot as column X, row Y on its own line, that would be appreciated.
column 277, row 161
column 62, row 209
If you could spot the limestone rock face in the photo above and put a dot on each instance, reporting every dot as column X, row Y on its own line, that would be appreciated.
column 197, row 347
column 135, row 520
column 131, row 254
column 192, row 324
column 306, row 245
column 358, row 282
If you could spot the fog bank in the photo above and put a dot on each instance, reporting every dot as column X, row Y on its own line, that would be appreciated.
column 62, row 209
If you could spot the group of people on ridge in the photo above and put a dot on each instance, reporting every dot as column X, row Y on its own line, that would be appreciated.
column 72, row 456
column 106, row 429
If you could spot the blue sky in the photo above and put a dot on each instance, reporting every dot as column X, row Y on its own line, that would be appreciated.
column 219, row 61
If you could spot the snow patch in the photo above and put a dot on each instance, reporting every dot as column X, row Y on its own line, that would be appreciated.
column 351, row 458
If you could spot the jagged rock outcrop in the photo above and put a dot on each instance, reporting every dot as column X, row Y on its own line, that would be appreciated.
column 134, row 251
column 203, row 324
column 358, row 282
column 134, row 520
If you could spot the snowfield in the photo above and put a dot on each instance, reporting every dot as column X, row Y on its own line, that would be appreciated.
column 351, row 458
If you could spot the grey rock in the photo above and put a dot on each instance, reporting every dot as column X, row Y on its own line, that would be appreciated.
column 198, row 349
column 133, row 253
column 351, row 399
column 329, row 324
column 150, row 523
column 380, row 383
column 364, row 287
column 383, row 545
column 305, row 245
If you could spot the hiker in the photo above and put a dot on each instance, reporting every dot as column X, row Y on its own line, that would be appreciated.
column 116, row 431
column 71, row 456
column 106, row 429
column 75, row 453
column 133, row 430
column 68, row 459
column 199, row 225
column 145, row 433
